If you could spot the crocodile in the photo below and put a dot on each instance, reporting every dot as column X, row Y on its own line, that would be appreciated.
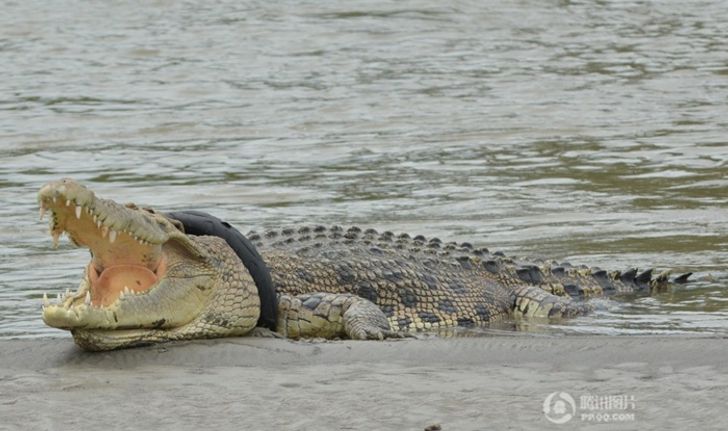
column 148, row 281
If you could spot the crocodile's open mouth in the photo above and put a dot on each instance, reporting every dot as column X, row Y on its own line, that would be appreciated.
column 127, row 252
column 139, row 278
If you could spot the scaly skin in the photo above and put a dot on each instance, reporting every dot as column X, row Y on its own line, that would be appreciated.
column 149, row 282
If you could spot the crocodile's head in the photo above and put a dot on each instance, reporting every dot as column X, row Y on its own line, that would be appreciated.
column 147, row 281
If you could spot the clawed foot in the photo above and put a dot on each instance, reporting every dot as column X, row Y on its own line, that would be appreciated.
column 365, row 321
column 363, row 332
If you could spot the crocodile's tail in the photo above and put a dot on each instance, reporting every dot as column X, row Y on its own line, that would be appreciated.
column 633, row 281
column 533, row 300
column 615, row 282
column 561, row 278
column 583, row 282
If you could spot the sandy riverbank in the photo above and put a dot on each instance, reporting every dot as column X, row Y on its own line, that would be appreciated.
column 495, row 382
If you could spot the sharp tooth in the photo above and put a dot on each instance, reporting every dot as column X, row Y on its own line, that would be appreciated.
column 126, row 290
column 104, row 231
column 87, row 300
column 112, row 235
column 96, row 218
column 98, row 224
column 78, row 211
column 46, row 302
column 68, row 202
column 58, row 297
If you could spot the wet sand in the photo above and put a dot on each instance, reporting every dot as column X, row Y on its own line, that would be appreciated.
column 497, row 382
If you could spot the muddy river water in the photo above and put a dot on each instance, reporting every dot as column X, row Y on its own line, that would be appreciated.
column 593, row 132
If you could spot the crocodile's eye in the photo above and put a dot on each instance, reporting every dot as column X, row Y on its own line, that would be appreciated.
column 176, row 223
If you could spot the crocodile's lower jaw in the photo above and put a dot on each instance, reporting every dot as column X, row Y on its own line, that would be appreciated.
column 99, row 297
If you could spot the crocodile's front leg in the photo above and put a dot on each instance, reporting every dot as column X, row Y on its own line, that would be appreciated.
column 332, row 315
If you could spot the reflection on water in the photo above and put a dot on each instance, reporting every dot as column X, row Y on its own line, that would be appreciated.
column 593, row 132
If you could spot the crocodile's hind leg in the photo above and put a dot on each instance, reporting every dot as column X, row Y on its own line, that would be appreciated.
column 332, row 315
column 532, row 301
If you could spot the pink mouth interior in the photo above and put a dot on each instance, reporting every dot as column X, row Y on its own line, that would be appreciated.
column 107, row 286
